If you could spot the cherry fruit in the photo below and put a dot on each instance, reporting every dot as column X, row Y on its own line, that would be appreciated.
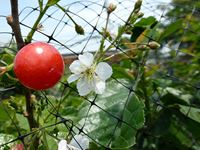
column 38, row 66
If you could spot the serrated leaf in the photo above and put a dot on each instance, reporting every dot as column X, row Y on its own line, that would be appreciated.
column 133, row 115
column 102, row 120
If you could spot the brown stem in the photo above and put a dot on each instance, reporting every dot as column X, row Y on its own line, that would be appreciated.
column 31, row 120
column 29, row 110
column 13, row 21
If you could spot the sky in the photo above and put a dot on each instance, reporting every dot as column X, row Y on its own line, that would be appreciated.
column 66, row 33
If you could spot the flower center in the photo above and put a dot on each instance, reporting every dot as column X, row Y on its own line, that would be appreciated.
column 89, row 73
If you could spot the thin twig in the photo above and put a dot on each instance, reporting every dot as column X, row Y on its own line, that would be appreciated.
column 34, row 28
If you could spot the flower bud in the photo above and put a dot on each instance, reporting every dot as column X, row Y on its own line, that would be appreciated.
column 111, row 8
column 137, row 6
column 153, row 45
column 33, row 97
column 140, row 14
column 79, row 29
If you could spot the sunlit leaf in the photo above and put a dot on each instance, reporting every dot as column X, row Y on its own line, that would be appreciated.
column 191, row 112
column 105, row 126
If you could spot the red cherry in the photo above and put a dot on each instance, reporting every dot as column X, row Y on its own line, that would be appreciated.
column 38, row 66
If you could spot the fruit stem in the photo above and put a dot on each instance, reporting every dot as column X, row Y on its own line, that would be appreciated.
column 124, row 27
column 34, row 28
column 104, row 34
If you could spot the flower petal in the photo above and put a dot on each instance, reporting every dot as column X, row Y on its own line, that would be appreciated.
column 76, row 67
column 62, row 145
column 86, row 59
column 99, row 86
column 84, row 86
column 103, row 70
column 82, row 140
column 73, row 78
column 71, row 147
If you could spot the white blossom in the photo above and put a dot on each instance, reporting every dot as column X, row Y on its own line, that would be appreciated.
column 79, row 142
column 90, row 76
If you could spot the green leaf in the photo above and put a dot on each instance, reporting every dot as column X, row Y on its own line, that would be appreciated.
column 171, row 29
column 167, row 127
column 137, row 31
column 192, row 126
column 46, row 146
column 120, row 72
column 143, row 29
column 4, row 138
column 133, row 115
column 22, row 122
column 175, row 96
column 148, row 22
column 4, row 116
column 51, row 142
column 52, row 2
column 191, row 112
column 7, row 58
column 102, row 121
column 170, row 99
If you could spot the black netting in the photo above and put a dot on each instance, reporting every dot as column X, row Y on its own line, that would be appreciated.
column 171, row 97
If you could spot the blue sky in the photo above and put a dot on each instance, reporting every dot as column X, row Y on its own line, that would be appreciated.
column 65, row 33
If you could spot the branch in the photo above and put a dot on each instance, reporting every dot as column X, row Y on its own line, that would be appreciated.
column 30, row 117
column 29, row 110
column 13, row 21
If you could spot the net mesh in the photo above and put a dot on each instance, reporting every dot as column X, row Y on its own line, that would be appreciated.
column 67, row 114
